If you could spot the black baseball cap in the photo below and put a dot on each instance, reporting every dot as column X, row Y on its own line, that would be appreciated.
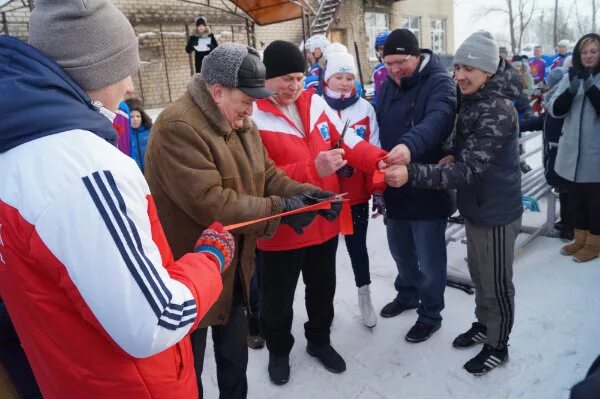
column 251, row 77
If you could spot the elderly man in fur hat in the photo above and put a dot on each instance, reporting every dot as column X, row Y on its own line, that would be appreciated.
column 205, row 161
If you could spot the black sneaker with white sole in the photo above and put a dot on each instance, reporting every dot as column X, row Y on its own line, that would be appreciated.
column 486, row 360
column 477, row 334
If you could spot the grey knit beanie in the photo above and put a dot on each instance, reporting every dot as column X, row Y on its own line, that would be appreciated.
column 90, row 39
column 236, row 66
column 478, row 51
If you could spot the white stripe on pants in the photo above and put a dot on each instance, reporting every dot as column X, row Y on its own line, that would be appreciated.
column 490, row 254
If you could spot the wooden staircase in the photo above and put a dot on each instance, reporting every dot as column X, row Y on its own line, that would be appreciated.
column 324, row 17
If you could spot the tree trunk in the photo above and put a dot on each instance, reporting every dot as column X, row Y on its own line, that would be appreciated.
column 594, row 11
column 511, row 23
column 555, row 25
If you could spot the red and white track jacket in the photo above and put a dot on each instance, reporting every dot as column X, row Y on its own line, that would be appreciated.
column 363, row 120
column 100, row 306
column 295, row 154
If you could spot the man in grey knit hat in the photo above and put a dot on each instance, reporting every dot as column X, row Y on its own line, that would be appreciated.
column 205, row 161
column 484, row 168
column 100, row 305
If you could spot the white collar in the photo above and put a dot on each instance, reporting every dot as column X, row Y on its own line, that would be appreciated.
column 104, row 111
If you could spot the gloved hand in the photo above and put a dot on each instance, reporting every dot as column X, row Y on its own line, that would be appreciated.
column 587, row 78
column 297, row 221
column 378, row 205
column 345, row 171
column 574, row 81
column 319, row 196
column 217, row 244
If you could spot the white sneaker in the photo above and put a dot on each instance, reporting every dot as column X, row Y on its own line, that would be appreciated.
column 366, row 307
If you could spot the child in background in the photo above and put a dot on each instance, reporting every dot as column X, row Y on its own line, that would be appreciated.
column 141, row 124
column 341, row 95
column 121, row 125
column 379, row 72
column 317, row 45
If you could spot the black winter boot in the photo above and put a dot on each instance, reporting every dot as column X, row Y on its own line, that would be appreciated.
column 395, row 307
column 279, row 368
column 254, row 340
column 328, row 357
column 420, row 332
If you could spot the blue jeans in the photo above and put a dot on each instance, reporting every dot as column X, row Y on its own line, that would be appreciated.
column 357, row 245
column 255, row 286
column 419, row 249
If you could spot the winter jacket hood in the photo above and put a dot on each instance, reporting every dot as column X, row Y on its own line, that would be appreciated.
column 577, row 53
column 207, row 32
column 35, row 90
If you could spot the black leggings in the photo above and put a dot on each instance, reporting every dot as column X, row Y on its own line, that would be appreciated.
column 584, row 200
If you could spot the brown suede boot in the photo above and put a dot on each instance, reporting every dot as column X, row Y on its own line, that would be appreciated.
column 570, row 249
column 590, row 250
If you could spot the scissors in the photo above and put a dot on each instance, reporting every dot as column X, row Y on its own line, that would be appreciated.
column 341, row 139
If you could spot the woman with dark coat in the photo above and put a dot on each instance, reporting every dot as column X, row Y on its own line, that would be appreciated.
column 202, row 43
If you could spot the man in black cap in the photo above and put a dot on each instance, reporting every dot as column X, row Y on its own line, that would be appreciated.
column 205, row 161
column 202, row 42
column 416, row 115
column 304, row 136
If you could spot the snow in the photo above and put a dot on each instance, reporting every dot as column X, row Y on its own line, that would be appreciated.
column 554, row 338
column 553, row 342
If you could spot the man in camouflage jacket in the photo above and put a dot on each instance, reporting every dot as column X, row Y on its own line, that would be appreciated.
column 484, row 168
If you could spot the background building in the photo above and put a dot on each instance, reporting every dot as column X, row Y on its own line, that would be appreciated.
column 163, row 26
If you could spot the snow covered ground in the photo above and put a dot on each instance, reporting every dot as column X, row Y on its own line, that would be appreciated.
column 554, row 338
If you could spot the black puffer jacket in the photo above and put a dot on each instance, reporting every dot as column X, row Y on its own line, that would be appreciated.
column 486, row 170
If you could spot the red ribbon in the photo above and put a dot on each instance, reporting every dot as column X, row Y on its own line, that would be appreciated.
column 378, row 175
column 346, row 226
column 325, row 204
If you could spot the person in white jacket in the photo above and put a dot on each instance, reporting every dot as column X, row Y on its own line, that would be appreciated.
column 100, row 306
column 341, row 95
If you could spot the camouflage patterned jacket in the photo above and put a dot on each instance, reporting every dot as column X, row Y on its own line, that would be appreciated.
column 486, row 170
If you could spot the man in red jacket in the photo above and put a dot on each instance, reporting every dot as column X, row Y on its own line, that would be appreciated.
column 98, row 302
column 303, row 137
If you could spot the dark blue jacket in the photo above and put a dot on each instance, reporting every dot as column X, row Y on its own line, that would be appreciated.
column 39, row 99
column 139, row 141
column 552, row 133
column 419, row 113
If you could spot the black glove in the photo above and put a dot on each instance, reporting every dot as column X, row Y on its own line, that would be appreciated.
column 575, row 81
column 588, row 79
column 320, row 196
column 584, row 74
column 379, row 205
column 345, row 171
column 297, row 221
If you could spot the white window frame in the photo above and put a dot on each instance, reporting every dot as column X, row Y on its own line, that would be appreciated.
column 439, row 35
column 381, row 24
column 409, row 23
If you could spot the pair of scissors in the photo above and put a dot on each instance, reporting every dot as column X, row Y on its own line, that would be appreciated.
column 341, row 139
